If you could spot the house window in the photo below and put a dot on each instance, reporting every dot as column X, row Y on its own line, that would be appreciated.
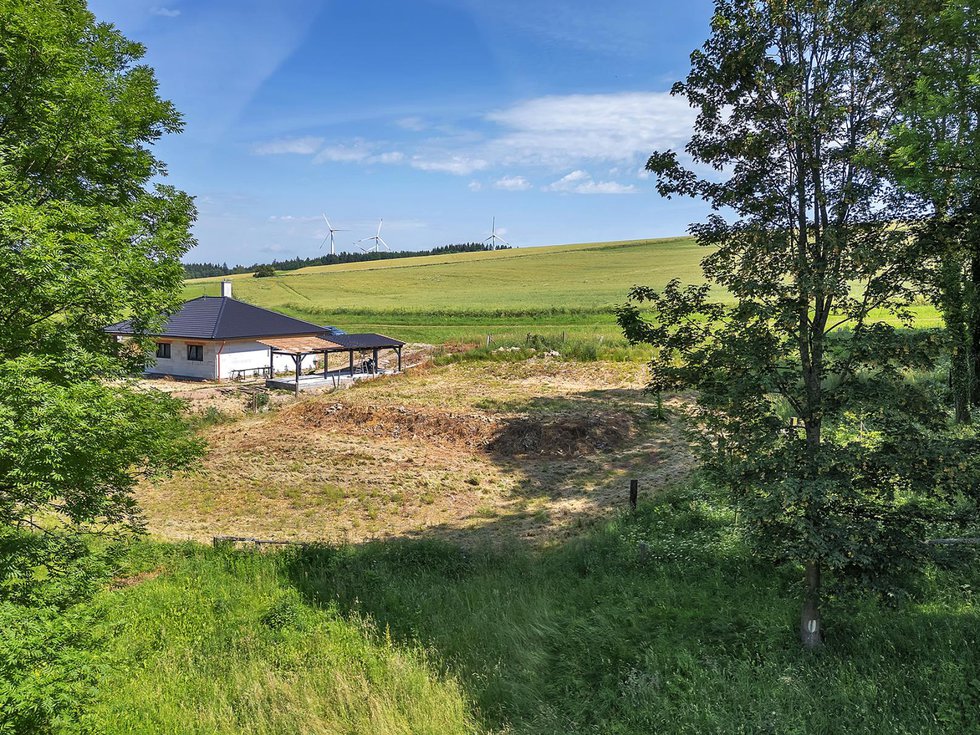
column 195, row 353
column 163, row 350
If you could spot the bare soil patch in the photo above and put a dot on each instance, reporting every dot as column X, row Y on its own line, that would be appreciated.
column 565, row 434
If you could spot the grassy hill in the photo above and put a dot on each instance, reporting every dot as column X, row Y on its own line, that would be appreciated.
column 570, row 288
column 465, row 296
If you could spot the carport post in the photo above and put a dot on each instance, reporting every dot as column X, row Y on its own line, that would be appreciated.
column 375, row 363
column 326, row 364
column 272, row 364
column 352, row 364
column 298, row 359
column 399, row 351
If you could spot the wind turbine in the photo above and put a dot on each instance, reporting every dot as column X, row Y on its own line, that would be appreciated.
column 329, row 236
column 493, row 234
column 378, row 241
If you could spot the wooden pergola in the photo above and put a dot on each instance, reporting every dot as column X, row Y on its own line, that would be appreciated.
column 300, row 347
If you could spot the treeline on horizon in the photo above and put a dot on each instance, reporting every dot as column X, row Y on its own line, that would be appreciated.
column 209, row 270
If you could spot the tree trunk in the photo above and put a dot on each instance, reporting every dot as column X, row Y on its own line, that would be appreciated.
column 954, row 311
column 973, row 296
column 810, row 633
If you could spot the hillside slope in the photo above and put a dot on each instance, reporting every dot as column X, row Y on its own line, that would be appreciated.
column 564, row 287
column 570, row 289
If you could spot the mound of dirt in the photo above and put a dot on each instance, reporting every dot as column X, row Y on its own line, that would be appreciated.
column 563, row 434
column 556, row 435
column 398, row 422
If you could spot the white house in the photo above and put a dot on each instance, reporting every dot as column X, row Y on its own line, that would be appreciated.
column 219, row 337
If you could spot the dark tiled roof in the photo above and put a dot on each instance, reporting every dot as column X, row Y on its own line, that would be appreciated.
column 364, row 341
column 221, row 317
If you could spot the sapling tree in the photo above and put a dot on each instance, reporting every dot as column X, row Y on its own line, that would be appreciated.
column 85, row 240
column 805, row 409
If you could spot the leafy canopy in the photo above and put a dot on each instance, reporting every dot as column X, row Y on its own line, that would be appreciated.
column 86, row 239
column 806, row 409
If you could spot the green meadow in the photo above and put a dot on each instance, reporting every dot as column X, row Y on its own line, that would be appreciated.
column 465, row 296
column 660, row 621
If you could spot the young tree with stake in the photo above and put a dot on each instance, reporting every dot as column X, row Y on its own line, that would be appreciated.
column 804, row 410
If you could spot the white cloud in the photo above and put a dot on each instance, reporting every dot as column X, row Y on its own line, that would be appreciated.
column 613, row 132
column 165, row 12
column 474, row 186
column 292, row 218
column 352, row 153
column 581, row 182
column 454, row 164
column 560, row 130
column 413, row 123
column 512, row 183
column 302, row 146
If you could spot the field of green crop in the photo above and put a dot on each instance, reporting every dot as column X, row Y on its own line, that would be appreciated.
column 465, row 296
column 546, row 290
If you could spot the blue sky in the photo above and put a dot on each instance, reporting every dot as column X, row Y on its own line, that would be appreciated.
column 435, row 115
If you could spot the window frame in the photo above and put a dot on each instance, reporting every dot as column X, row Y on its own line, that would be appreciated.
column 164, row 347
column 195, row 349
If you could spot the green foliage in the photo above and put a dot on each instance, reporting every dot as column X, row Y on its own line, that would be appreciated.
column 264, row 271
column 662, row 620
column 511, row 348
column 84, row 241
column 838, row 460
column 935, row 156
column 283, row 613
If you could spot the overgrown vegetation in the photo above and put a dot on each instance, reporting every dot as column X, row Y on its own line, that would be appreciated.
column 86, row 238
column 660, row 621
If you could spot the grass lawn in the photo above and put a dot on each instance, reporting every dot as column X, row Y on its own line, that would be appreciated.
column 569, row 289
column 658, row 622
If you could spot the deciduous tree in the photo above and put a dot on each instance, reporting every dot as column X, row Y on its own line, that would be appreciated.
column 935, row 152
column 805, row 410
column 85, row 240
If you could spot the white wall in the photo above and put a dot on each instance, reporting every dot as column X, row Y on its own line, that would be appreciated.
column 243, row 355
column 180, row 366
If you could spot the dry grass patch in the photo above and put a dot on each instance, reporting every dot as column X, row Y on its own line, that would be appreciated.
column 516, row 449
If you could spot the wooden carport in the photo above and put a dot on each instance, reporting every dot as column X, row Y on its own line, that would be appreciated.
column 299, row 347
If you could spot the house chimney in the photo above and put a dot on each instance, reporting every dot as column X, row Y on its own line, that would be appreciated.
column 226, row 289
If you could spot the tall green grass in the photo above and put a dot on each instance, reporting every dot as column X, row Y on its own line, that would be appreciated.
column 659, row 621
column 223, row 643
column 663, row 622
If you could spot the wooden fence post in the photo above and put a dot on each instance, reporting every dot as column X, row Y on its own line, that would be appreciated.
column 634, row 493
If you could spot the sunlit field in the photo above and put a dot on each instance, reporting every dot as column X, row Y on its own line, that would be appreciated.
column 570, row 289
